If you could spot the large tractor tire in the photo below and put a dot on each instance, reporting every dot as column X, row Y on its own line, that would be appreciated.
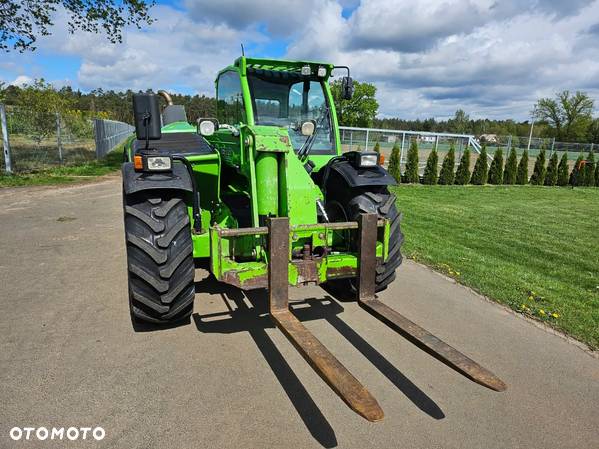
column 347, row 205
column 159, row 258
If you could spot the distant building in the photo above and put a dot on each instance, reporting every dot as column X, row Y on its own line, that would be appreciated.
column 488, row 138
column 427, row 139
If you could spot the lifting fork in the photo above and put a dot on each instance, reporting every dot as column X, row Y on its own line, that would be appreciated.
column 349, row 389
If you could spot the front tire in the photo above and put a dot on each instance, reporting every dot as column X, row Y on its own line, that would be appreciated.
column 347, row 205
column 159, row 258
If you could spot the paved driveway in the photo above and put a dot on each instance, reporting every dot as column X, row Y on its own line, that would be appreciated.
column 69, row 357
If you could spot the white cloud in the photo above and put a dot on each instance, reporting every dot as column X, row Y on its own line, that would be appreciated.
column 21, row 80
column 496, row 65
column 427, row 58
column 410, row 26
column 174, row 53
column 281, row 17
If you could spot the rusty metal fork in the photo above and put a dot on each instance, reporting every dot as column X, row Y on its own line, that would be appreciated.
column 349, row 389
column 411, row 331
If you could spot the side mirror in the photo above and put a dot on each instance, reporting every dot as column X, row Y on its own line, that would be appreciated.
column 347, row 88
column 308, row 128
column 207, row 126
column 146, row 112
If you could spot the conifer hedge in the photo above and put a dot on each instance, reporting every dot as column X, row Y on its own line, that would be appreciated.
column 562, row 171
column 481, row 170
column 522, row 175
column 496, row 169
column 377, row 147
column 411, row 173
column 539, row 170
column 462, row 175
column 511, row 167
column 446, row 177
column 394, row 163
column 589, row 170
column 575, row 178
column 551, row 174
column 430, row 171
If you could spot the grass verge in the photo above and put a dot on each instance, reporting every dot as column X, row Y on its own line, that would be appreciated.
column 535, row 249
column 65, row 174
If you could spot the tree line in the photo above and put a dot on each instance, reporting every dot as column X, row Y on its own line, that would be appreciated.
column 98, row 102
column 567, row 117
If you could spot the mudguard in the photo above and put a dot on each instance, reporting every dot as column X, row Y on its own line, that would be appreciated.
column 362, row 177
column 178, row 179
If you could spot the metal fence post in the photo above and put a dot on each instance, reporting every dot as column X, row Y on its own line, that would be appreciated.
column 59, row 137
column 403, row 138
column 366, row 146
column 6, row 142
column 351, row 138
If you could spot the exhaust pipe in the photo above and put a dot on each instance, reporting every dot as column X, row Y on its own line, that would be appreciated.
column 164, row 94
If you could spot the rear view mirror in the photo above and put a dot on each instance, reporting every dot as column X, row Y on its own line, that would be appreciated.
column 308, row 127
column 347, row 87
column 146, row 112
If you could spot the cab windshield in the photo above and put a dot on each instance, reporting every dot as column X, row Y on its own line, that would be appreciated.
column 287, row 100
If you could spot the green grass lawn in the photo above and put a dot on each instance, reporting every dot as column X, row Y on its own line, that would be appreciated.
column 65, row 174
column 535, row 249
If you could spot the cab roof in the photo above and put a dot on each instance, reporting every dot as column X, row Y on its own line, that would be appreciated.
column 243, row 63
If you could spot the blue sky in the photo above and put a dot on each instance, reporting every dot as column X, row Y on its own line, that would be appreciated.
column 492, row 58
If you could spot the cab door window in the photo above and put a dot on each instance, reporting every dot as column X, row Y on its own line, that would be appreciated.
column 229, row 99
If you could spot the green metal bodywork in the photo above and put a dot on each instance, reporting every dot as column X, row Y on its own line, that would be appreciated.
column 259, row 165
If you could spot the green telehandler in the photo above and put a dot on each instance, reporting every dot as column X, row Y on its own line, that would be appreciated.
column 264, row 195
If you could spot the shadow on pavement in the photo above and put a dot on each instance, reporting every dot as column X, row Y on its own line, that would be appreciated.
column 254, row 319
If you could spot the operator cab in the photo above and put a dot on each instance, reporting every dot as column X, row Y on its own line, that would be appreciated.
column 289, row 99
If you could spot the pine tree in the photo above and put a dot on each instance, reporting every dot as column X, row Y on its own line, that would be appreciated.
column 462, row 175
column 562, row 171
column 481, row 171
column 522, row 175
column 394, row 163
column 447, row 176
column 411, row 173
column 575, row 178
column 539, row 170
column 496, row 169
column 551, row 175
column 430, row 171
column 511, row 166
column 589, row 170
